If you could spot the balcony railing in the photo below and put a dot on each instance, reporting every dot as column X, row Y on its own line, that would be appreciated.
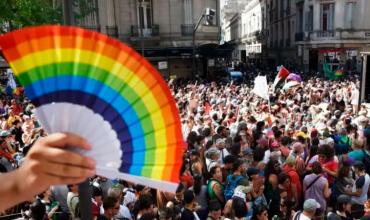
column 137, row 31
column 112, row 31
column 187, row 29
column 325, row 34
column 92, row 27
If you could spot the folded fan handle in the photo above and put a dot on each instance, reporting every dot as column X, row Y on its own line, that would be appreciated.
column 85, row 194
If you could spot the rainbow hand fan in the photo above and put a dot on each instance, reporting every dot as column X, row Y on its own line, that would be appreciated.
column 94, row 86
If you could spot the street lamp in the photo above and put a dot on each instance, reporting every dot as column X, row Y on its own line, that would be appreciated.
column 209, row 14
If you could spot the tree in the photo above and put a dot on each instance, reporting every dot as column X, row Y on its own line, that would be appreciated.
column 20, row 13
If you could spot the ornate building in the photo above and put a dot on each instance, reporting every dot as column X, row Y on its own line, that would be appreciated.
column 161, row 30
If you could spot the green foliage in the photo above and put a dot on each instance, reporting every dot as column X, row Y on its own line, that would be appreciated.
column 19, row 13
column 15, row 14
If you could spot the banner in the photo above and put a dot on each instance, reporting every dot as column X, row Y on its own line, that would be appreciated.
column 261, row 87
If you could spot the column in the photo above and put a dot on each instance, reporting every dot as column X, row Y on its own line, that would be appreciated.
column 188, row 17
column 316, row 16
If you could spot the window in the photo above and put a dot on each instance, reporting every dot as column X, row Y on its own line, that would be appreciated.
column 299, row 18
column 288, row 7
column 350, row 11
column 309, row 22
column 145, row 14
column 327, row 17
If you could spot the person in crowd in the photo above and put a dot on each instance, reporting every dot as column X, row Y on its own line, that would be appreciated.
column 260, row 213
column 286, row 209
column 73, row 201
column 111, row 208
column 146, row 207
column 201, row 198
column 97, row 201
column 189, row 212
column 315, row 186
column 123, row 212
column 215, row 188
column 342, row 209
column 233, row 139
column 214, row 209
column 360, row 192
column 309, row 210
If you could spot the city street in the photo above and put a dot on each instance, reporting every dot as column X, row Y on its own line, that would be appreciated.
column 184, row 109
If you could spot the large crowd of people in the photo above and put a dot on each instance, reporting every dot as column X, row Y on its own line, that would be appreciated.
column 302, row 154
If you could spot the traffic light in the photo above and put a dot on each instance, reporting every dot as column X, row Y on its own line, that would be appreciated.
column 210, row 14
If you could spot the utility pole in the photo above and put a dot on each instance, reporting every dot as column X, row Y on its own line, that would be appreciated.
column 68, row 12
column 208, row 14
column 84, row 189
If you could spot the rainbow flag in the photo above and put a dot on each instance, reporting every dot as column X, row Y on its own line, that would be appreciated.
column 339, row 72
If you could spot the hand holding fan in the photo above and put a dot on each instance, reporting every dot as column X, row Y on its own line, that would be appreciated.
column 86, row 83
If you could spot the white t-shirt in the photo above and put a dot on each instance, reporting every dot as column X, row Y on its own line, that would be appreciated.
column 123, row 212
column 365, row 187
column 355, row 96
column 301, row 216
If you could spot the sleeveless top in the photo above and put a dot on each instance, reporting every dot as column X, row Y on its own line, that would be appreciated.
column 211, row 192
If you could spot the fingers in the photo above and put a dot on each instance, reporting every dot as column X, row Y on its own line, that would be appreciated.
column 61, row 156
column 66, row 171
column 56, row 180
column 61, row 140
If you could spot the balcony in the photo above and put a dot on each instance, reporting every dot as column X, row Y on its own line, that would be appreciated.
column 91, row 27
column 112, row 31
column 325, row 34
column 137, row 31
column 187, row 29
column 299, row 36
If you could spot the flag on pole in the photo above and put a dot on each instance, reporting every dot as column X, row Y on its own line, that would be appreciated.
column 328, row 72
column 283, row 73
column 261, row 87
column 339, row 72
column 11, row 82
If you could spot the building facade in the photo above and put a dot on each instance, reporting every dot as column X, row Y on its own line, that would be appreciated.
column 252, row 35
column 231, row 27
column 301, row 34
column 334, row 32
column 279, row 19
column 161, row 30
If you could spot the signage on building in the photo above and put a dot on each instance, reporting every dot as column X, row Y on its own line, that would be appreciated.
column 253, row 48
column 162, row 65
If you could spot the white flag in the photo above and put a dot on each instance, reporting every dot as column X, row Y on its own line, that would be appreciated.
column 260, row 87
column 11, row 81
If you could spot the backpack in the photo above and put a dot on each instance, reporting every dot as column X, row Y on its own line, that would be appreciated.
column 77, row 213
column 366, row 161
column 232, row 183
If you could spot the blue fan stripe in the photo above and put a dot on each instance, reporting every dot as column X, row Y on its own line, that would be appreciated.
column 108, row 97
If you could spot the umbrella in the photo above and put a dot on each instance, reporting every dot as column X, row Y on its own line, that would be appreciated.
column 294, row 77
